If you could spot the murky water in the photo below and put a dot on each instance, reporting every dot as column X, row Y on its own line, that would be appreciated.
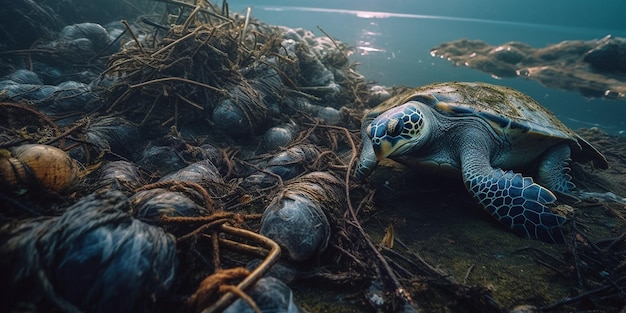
column 436, row 219
column 393, row 40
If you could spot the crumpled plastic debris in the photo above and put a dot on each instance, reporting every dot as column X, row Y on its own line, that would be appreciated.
column 93, row 258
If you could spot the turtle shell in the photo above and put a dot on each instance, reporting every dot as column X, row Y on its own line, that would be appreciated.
column 513, row 115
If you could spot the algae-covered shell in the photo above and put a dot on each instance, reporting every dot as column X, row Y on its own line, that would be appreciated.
column 512, row 114
column 514, row 118
column 43, row 166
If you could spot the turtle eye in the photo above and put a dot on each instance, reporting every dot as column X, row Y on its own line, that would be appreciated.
column 394, row 127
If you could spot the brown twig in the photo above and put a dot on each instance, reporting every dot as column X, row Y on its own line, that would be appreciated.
column 184, row 80
column 130, row 31
column 256, row 274
column 399, row 293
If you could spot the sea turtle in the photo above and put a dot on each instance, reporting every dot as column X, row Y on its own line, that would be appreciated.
column 485, row 133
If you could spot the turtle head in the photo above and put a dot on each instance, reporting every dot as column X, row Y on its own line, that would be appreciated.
column 399, row 129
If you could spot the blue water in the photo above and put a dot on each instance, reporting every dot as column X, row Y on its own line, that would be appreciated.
column 394, row 38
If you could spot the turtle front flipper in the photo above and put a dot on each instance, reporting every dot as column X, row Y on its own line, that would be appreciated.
column 514, row 200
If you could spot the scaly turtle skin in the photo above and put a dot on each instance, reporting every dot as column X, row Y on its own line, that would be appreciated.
column 484, row 132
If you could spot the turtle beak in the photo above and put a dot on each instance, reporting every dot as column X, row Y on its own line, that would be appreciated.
column 383, row 149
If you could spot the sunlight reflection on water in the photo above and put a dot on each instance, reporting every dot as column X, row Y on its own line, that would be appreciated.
column 394, row 49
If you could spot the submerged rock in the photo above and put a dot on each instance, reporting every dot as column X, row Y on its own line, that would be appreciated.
column 594, row 68
column 608, row 56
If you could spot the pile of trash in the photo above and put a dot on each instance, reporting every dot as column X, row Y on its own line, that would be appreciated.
column 169, row 164
column 193, row 160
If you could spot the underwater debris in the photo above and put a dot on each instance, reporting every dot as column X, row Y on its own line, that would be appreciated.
column 65, row 97
column 154, row 205
column 250, row 103
column 205, row 71
column 25, row 22
column 97, row 36
column 329, row 115
column 378, row 94
column 175, row 72
column 172, row 152
column 181, row 75
column 120, row 175
column 269, row 295
column 104, row 135
column 22, row 76
column 95, row 257
column 218, row 290
column 202, row 172
column 297, row 217
column 182, row 193
column 280, row 135
column 185, row 73
column 284, row 166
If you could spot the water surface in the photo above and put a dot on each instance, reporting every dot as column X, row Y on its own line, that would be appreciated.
column 393, row 40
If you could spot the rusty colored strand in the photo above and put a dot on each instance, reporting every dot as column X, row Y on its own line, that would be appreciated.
column 242, row 295
column 192, row 16
column 33, row 111
column 216, row 250
column 256, row 274
column 158, row 80
column 130, row 31
column 201, row 229
column 189, row 5
column 242, row 247
column 72, row 129
column 210, row 285
column 204, row 219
